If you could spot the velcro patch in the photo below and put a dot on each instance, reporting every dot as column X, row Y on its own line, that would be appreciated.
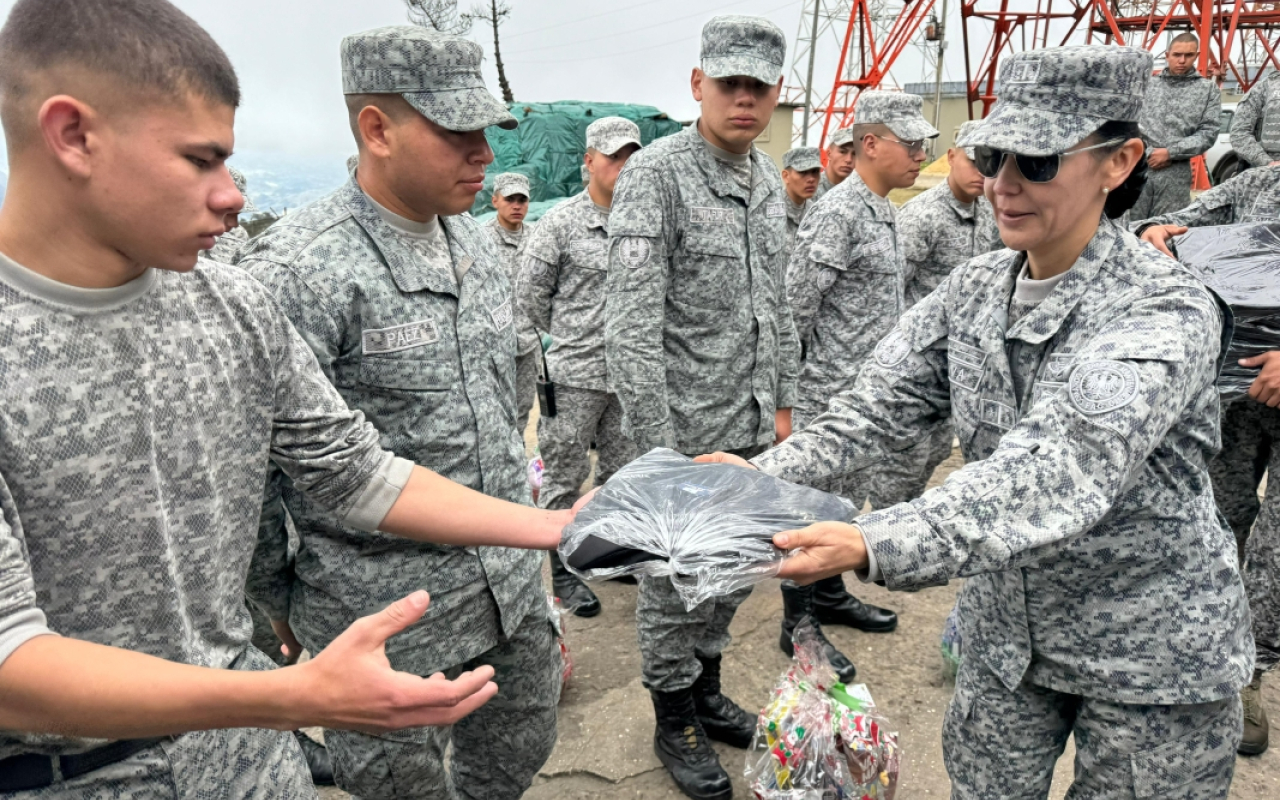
column 893, row 349
column 878, row 247
column 998, row 415
column 700, row 215
column 775, row 210
column 589, row 245
column 400, row 337
column 502, row 316
column 1023, row 72
column 967, row 354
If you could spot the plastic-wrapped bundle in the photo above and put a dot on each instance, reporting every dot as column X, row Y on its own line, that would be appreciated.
column 555, row 607
column 952, row 644
column 819, row 739
column 708, row 526
column 1242, row 264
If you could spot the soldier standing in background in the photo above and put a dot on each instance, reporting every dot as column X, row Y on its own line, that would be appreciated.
column 839, row 162
column 701, row 351
column 938, row 230
column 845, row 285
column 1255, row 126
column 409, row 312
column 1179, row 122
column 801, row 168
column 561, row 291
column 228, row 245
column 507, row 229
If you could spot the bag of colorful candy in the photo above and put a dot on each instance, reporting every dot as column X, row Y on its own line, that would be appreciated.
column 818, row 739
column 952, row 643
column 556, row 611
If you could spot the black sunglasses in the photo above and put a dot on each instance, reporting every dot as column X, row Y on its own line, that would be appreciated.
column 1037, row 169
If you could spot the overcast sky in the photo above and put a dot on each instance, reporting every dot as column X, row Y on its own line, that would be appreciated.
column 637, row 51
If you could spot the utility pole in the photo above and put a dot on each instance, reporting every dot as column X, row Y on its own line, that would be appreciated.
column 941, row 32
column 808, row 83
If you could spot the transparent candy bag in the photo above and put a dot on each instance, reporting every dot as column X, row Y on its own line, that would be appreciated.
column 818, row 739
column 952, row 643
column 556, row 610
column 708, row 526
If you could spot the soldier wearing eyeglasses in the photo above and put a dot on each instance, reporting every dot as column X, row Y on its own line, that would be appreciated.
column 1102, row 599
column 846, row 285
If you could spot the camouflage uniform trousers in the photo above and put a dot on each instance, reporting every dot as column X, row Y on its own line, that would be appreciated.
column 671, row 638
column 1167, row 190
column 1249, row 434
column 496, row 750
column 526, row 386
column 582, row 416
column 235, row 764
column 1002, row 744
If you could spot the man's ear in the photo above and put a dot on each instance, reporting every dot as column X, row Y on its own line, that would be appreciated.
column 375, row 130
column 70, row 129
column 695, row 83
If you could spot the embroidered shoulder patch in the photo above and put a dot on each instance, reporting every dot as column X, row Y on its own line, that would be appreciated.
column 893, row 349
column 634, row 251
column 827, row 277
column 1097, row 387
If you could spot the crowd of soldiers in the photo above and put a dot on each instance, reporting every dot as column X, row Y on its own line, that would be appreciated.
column 693, row 297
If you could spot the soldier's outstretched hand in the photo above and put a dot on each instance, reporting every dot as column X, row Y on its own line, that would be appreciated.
column 1158, row 236
column 724, row 458
column 350, row 685
column 823, row 550
column 1266, row 387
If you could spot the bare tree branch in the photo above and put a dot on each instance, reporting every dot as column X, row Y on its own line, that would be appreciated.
column 440, row 15
column 494, row 13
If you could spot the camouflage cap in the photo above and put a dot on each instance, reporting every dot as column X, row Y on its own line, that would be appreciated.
column 733, row 44
column 899, row 111
column 1049, row 100
column 608, row 135
column 242, row 184
column 840, row 137
column 511, row 183
column 437, row 74
column 967, row 129
column 802, row 159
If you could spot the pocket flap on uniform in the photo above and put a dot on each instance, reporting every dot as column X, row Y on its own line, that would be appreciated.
column 1180, row 770
column 408, row 374
column 717, row 243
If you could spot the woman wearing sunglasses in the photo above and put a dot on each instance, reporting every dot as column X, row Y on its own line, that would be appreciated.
column 1102, row 596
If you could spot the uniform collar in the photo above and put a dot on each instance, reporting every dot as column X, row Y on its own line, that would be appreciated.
column 1047, row 319
column 719, row 176
column 411, row 273
column 595, row 218
column 880, row 207
column 962, row 210
column 512, row 238
column 1169, row 76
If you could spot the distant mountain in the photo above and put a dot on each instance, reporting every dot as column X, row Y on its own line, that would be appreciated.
column 280, row 182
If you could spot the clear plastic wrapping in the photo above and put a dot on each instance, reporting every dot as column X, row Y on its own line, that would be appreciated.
column 708, row 526
column 952, row 642
column 1242, row 264
column 818, row 739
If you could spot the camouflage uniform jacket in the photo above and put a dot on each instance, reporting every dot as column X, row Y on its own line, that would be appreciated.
column 507, row 243
column 698, row 341
column 1084, row 519
column 136, row 431
column 845, row 287
column 433, row 368
column 228, row 246
column 1251, row 196
column 1181, row 113
column 937, row 233
column 1255, row 126
column 561, row 289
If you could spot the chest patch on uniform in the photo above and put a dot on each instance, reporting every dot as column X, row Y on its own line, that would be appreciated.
column 700, row 215
column 1097, row 387
column 588, row 246
column 400, row 337
column 634, row 251
column 997, row 414
column 1058, row 365
column 893, row 349
column 502, row 316
column 878, row 247
column 775, row 210
column 827, row 277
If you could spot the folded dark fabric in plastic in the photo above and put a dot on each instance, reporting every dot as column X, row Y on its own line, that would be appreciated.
column 1242, row 264
column 708, row 526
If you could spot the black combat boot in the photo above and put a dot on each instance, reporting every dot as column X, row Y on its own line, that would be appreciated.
column 318, row 760
column 833, row 605
column 797, row 603
column 573, row 593
column 684, row 749
column 721, row 718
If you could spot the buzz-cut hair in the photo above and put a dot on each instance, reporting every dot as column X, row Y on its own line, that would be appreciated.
column 865, row 129
column 393, row 105
column 145, row 48
column 1186, row 37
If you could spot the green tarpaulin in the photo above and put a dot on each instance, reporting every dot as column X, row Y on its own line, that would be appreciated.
column 551, row 140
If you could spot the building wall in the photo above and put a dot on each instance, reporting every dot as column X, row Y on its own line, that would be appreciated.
column 953, row 116
column 776, row 139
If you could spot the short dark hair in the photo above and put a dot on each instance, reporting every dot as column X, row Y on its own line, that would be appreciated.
column 1186, row 37
column 865, row 129
column 1125, row 196
column 393, row 105
column 147, row 47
